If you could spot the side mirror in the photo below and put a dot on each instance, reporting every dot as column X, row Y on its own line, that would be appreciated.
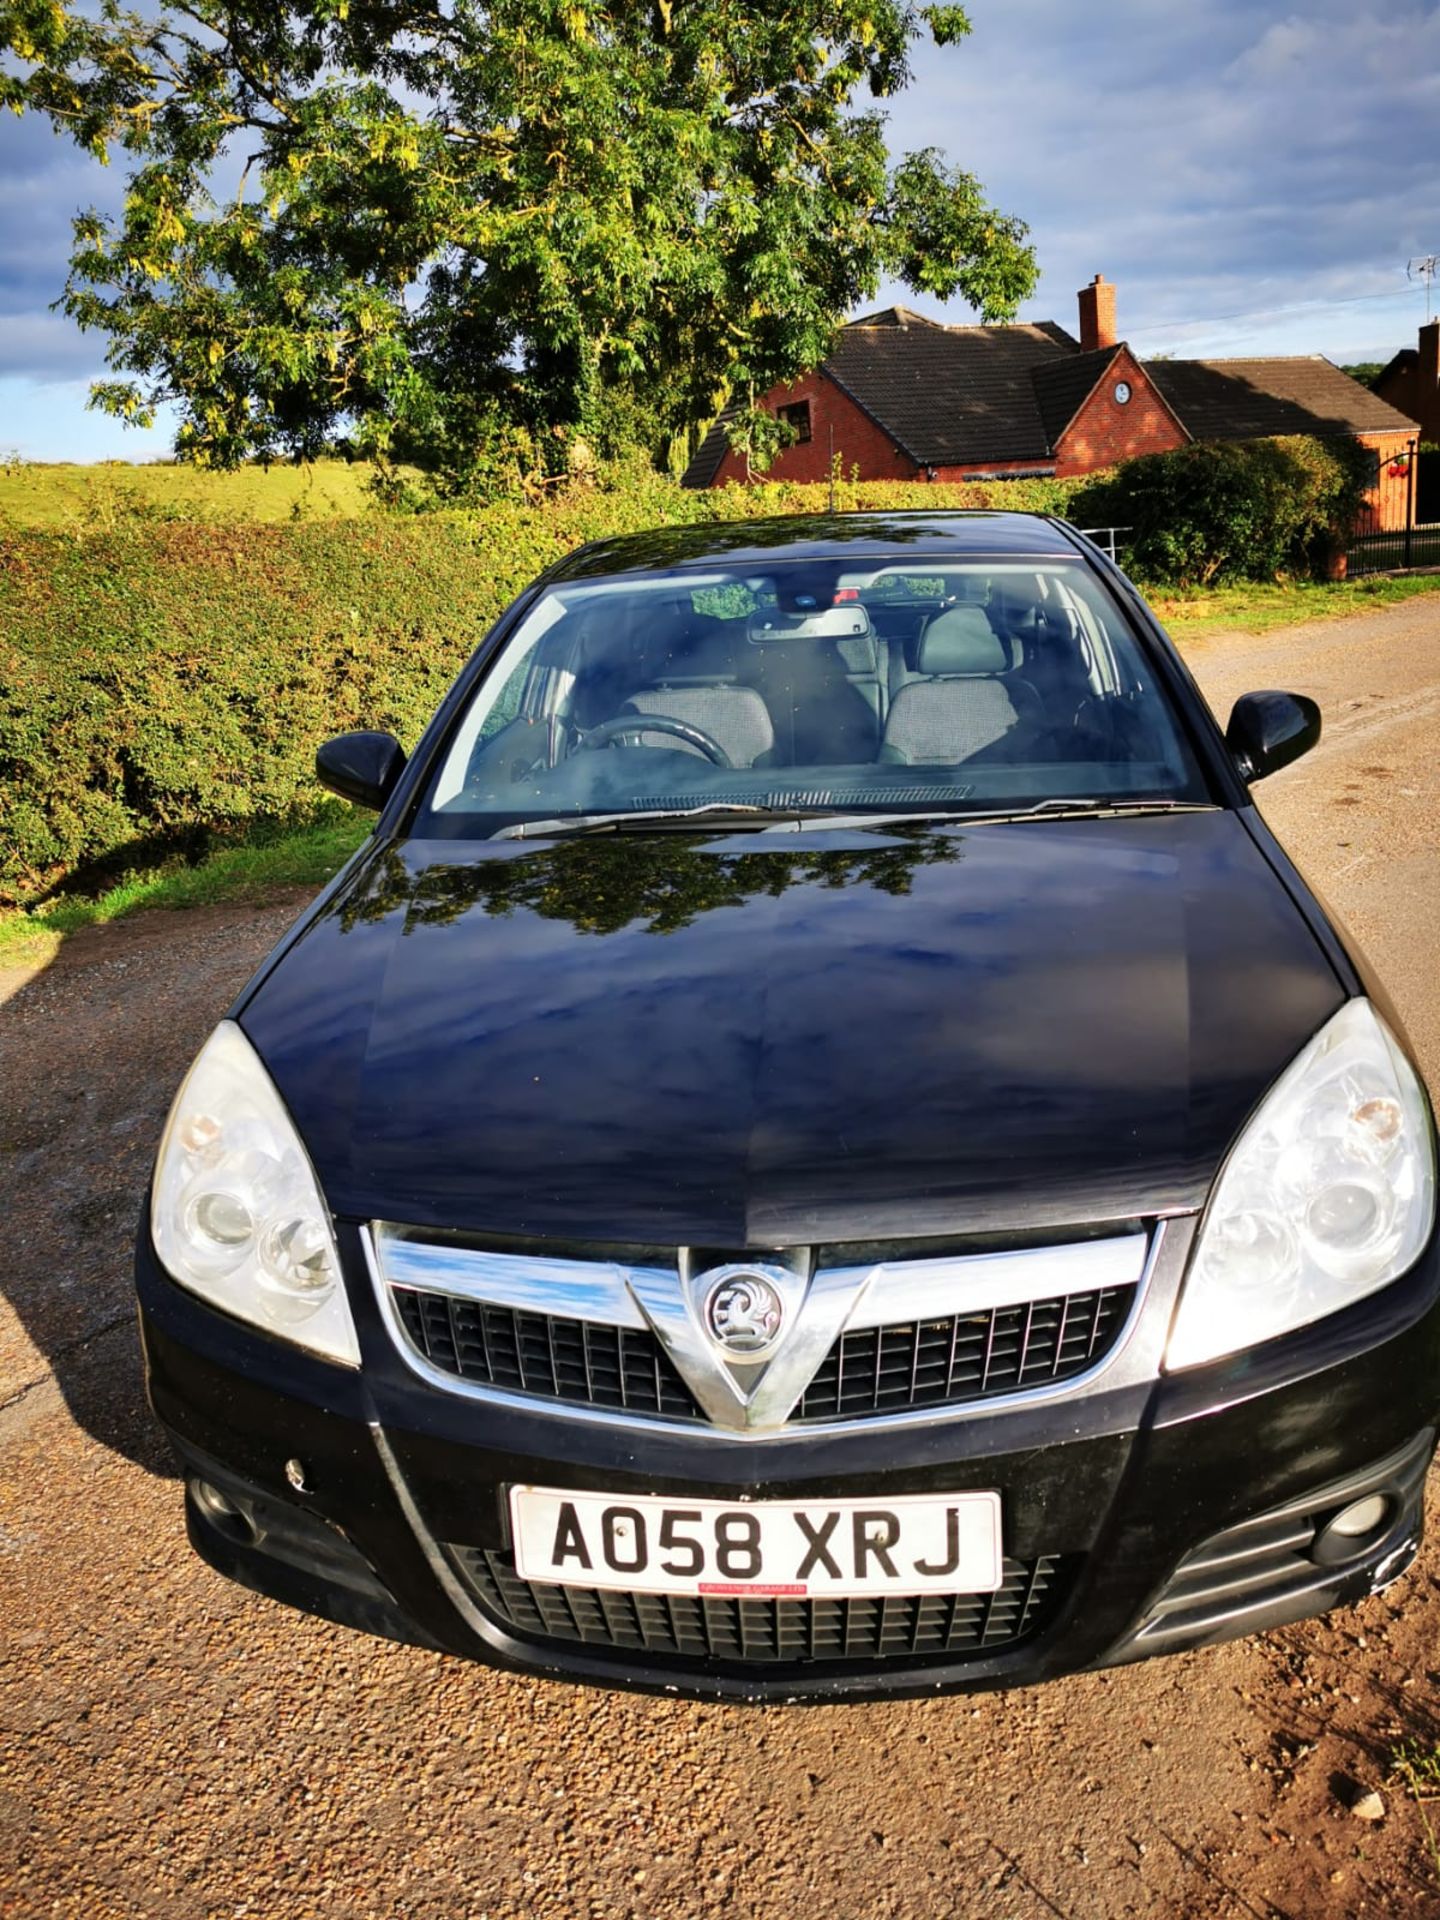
column 362, row 767
column 1269, row 730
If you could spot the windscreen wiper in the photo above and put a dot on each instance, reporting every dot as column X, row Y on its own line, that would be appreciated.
column 740, row 816
column 1053, row 809
column 720, row 816
column 1085, row 808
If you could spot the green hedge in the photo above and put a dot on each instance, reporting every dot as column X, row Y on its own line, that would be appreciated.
column 1245, row 510
column 163, row 683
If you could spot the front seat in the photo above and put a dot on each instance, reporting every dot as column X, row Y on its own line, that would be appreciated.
column 695, row 676
column 962, row 702
column 736, row 718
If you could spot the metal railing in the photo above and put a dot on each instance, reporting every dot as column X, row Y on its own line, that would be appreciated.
column 1394, row 551
column 1105, row 539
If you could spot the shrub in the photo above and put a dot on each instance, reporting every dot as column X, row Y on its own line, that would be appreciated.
column 1239, row 510
column 163, row 682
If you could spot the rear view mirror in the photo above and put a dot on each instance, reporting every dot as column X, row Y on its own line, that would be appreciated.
column 362, row 767
column 1269, row 730
column 769, row 626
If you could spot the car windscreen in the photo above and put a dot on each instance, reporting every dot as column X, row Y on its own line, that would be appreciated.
column 935, row 684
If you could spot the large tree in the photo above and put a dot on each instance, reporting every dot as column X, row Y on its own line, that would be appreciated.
column 461, row 233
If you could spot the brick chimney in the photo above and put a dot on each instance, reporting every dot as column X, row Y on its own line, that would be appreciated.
column 1097, row 314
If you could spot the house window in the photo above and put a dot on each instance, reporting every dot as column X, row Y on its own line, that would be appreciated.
column 797, row 418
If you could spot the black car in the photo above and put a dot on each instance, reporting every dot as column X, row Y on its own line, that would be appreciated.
column 821, row 1147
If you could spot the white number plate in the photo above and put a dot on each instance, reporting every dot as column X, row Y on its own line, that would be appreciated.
column 919, row 1543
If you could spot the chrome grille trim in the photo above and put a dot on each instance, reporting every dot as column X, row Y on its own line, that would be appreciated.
column 988, row 1280
column 889, row 1292
column 533, row 1283
column 900, row 1290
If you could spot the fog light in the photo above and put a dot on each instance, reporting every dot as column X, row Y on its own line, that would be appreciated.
column 1352, row 1528
column 1363, row 1517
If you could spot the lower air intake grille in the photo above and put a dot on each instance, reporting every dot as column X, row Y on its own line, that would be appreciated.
column 797, row 1632
column 876, row 1370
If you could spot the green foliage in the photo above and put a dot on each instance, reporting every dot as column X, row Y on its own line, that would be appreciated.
column 474, row 234
column 165, row 681
column 1367, row 372
column 759, row 437
column 1239, row 510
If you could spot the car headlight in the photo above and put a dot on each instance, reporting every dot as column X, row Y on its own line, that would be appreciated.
column 1328, row 1194
column 235, row 1211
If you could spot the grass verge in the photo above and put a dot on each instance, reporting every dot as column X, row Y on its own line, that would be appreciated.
column 1256, row 607
column 304, row 857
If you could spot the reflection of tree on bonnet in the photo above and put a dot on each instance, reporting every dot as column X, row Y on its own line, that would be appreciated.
column 602, row 885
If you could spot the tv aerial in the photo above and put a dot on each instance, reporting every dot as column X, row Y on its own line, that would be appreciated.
column 1425, row 268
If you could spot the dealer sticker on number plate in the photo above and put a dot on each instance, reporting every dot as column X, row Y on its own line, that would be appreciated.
column 919, row 1543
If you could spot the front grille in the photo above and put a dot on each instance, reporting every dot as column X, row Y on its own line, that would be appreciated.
column 580, row 1361
column 936, row 1363
column 875, row 1370
column 797, row 1632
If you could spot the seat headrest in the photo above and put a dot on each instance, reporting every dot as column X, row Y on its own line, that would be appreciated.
column 696, row 656
column 961, row 641
column 858, row 654
column 1017, row 612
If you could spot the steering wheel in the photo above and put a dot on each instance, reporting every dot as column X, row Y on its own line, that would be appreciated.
column 630, row 726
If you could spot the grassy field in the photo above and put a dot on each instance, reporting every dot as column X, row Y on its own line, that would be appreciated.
column 33, row 495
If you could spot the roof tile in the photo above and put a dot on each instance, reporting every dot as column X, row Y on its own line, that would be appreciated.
column 1063, row 386
column 951, row 395
column 1253, row 399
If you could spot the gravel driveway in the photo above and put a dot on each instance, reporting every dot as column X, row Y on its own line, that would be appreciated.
column 171, row 1746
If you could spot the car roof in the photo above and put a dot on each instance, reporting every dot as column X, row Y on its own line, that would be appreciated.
column 840, row 536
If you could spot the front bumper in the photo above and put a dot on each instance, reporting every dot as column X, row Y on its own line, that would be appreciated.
column 1139, row 1517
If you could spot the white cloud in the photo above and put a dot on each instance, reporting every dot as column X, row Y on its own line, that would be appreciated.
column 1212, row 161
column 1277, row 50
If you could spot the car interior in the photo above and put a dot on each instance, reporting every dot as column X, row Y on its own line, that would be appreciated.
column 972, row 671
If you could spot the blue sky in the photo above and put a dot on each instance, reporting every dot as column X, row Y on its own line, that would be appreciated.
column 1252, row 176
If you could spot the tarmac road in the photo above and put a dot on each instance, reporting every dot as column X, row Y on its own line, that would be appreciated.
column 173, row 1747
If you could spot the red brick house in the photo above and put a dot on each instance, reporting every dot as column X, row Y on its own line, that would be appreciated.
column 904, row 398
